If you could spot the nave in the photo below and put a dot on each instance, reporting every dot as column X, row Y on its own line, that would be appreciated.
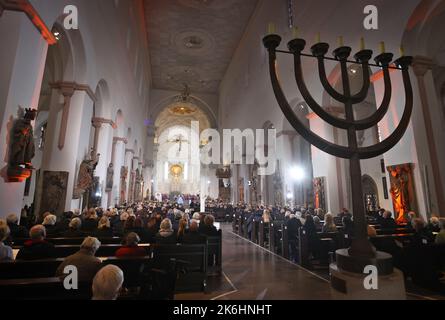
column 251, row 272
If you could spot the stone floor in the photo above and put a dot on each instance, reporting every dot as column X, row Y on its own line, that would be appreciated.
column 253, row 273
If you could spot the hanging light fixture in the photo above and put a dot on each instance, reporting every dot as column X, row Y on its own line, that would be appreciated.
column 183, row 104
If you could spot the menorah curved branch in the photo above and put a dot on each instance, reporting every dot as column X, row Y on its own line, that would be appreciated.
column 355, row 99
column 361, row 251
column 322, row 144
column 394, row 138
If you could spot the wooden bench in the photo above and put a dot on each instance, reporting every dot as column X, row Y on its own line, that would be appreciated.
column 106, row 250
column 21, row 269
column 50, row 288
column 193, row 256
column 214, row 247
column 69, row 241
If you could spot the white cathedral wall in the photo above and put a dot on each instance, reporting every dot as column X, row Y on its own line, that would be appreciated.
column 408, row 149
column 21, row 89
column 246, row 96
column 104, row 44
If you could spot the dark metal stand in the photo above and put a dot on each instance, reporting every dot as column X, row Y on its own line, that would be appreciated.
column 361, row 252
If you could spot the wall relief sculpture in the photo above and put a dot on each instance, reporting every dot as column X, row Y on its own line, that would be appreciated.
column 54, row 192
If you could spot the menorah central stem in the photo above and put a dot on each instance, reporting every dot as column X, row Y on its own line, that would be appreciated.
column 360, row 243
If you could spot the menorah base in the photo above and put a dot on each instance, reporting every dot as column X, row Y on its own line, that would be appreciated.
column 357, row 264
column 354, row 286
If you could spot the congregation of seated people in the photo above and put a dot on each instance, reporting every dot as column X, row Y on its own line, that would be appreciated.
column 143, row 223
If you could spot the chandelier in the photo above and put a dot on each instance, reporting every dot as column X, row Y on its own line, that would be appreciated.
column 183, row 105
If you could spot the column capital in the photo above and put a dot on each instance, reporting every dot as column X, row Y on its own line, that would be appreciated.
column 331, row 109
column 421, row 65
column 68, row 88
column 120, row 139
column 97, row 122
column 129, row 151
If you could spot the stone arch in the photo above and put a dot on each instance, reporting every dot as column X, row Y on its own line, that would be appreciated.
column 370, row 193
column 101, row 106
column 120, row 122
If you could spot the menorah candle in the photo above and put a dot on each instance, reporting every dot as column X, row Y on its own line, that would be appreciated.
column 295, row 32
column 362, row 43
column 340, row 41
column 382, row 47
column 271, row 28
column 402, row 51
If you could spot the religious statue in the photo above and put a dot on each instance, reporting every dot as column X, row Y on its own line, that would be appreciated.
column 110, row 174
column 138, row 186
column 241, row 190
column 123, row 184
column 278, row 186
column 86, row 175
column 319, row 193
column 21, row 147
column 402, row 191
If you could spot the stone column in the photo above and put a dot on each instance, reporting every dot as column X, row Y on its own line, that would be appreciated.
column 421, row 65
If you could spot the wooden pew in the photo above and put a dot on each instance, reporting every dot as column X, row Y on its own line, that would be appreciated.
column 195, row 262
column 214, row 247
column 275, row 234
column 69, row 241
column 285, row 242
column 254, row 234
column 50, row 288
column 106, row 250
column 20, row 269
column 261, row 233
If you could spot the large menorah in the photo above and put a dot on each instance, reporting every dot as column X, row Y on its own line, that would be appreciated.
column 361, row 248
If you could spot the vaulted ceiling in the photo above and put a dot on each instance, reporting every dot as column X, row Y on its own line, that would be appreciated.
column 192, row 41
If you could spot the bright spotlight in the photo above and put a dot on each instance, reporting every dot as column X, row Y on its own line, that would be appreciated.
column 289, row 195
column 297, row 173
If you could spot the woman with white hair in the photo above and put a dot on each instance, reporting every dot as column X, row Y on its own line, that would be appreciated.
column 434, row 224
column 73, row 229
column 16, row 231
column 104, row 228
column 329, row 224
column 89, row 224
column 440, row 237
column 166, row 234
column 5, row 251
column 49, row 222
column 107, row 283
column 84, row 260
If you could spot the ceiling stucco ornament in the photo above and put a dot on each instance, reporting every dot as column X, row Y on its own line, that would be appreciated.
column 194, row 42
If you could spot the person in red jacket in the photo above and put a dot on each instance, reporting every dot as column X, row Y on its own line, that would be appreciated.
column 131, row 248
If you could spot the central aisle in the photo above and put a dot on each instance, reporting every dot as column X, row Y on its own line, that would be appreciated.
column 257, row 274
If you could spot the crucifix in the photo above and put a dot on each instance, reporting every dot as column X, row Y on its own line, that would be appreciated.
column 179, row 139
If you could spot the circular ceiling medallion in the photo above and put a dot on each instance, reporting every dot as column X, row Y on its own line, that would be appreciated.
column 194, row 42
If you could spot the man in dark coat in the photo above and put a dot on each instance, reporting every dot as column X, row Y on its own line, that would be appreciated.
column 36, row 248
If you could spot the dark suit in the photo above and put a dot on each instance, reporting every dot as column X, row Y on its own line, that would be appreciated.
column 36, row 250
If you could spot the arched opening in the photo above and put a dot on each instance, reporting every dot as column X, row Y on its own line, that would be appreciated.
column 175, row 171
column 370, row 194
